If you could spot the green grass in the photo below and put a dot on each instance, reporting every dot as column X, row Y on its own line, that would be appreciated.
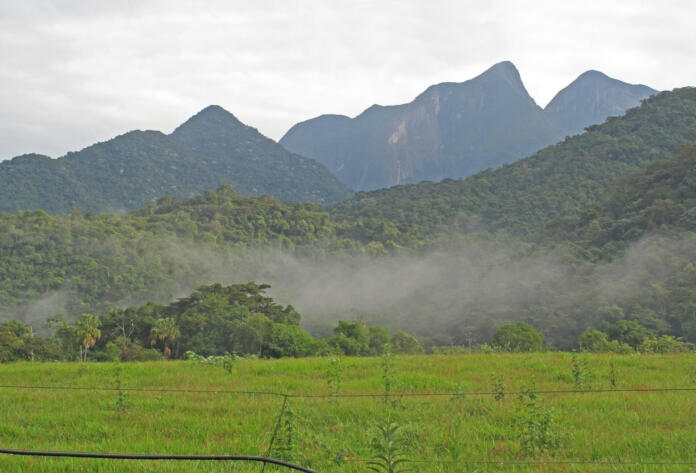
column 319, row 432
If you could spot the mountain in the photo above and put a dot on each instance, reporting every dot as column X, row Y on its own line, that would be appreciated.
column 454, row 130
column 595, row 249
column 555, row 182
column 591, row 99
column 450, row 130
column 134, row 169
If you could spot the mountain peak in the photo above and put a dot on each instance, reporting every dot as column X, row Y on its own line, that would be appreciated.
column 591, row 98
column 214, row 113
column 212, row 120
column 504, row 69
column 593, row 74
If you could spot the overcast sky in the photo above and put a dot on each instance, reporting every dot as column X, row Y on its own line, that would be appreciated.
column 76, row 72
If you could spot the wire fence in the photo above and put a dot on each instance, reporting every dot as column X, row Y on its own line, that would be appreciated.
column 267, row 459
column 345, row 395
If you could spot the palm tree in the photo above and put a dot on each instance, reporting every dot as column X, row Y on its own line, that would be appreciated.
column 88, row 332
column 165, row 331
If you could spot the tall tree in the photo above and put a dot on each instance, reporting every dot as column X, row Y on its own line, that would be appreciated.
column 165, row 331
column 88, row 332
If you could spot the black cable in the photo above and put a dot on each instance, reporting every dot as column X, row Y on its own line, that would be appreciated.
column 128, row 456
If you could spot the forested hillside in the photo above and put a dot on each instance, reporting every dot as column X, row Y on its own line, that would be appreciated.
column 89, row 262
column 557, row 181
column 662, row 198
column 130, row 171
column 444, row 261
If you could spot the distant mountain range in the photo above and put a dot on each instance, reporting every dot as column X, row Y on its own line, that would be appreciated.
column 553, row 183
column 457, row 129
column 127, row 172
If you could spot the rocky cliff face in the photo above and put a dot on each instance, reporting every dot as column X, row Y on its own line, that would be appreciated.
column 450, row 130
column 456, row 129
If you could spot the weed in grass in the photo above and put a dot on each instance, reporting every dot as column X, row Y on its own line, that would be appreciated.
column 538, row 427
column 390, row 449
column 582, row 372
column 498, row 387
column 455, row 450
column 578, row 372
column 614, row 426
column 122, row 400
column 613, row 375
column 459, row 395
column 227, row 361
column 334, row 376
column 285, row 445
column 387, row 370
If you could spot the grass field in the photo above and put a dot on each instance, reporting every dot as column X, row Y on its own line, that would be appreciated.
column 634, row 431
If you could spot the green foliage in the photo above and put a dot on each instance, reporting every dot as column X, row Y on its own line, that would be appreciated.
column 387, row 360
column 596, row 341
column 227, row 361
column 355, row 339
column 595, row 231
column 498, row 387
column 518, row 337
column 613, row 374
column 122, row 399
column 538, row 428
column 165, row 331
column 132, row 170
column 581, row 372
column 556, row 182
column 664, row 344
column 12, row 344
column 80, row 263
column 629, row 332
column 658, row 198
column 334, row 376
column 405, row 344
column 88, row 332
column 389, row 448
column 630, row 426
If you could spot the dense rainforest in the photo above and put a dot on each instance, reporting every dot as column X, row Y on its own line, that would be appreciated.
column 557, row 181
column 596, row 233
column 135, row 169
column 215, row 324
column 211, row 322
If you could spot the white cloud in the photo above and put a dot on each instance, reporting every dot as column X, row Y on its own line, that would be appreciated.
column 76, row 72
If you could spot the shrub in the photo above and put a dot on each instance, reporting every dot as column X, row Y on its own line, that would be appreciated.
column 519, row 337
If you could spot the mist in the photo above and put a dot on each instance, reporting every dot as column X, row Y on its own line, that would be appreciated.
column 457, row 295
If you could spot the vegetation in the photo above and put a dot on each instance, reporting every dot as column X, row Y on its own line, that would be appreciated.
column 519, row 337
column 130, row 171
column 341, row 434
column 625, row 259
column 557, row 181
column 90, row 263
column 209, row 325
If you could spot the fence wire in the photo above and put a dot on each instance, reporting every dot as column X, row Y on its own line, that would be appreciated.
column 286, row 396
